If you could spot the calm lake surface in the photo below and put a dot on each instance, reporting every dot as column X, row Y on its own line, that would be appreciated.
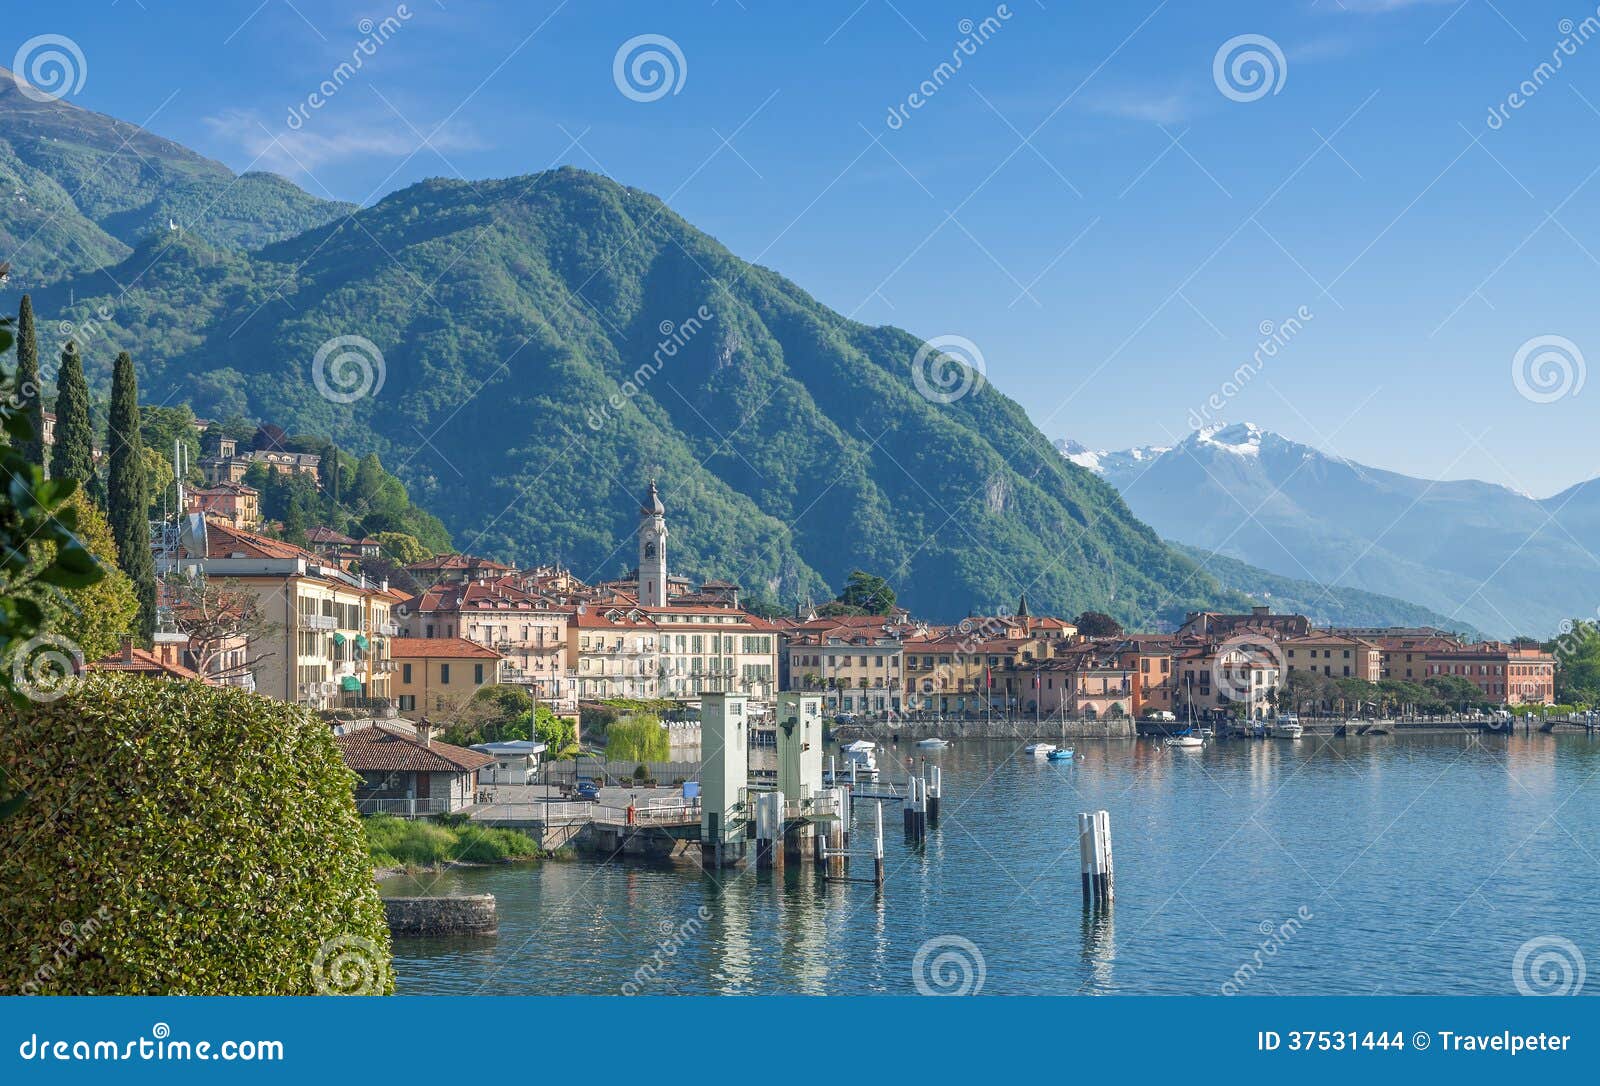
column 1367, row 866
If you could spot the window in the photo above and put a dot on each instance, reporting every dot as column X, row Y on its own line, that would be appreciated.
column 408, row 702
column 477, row 673
column 405, row 673
column 444, row 674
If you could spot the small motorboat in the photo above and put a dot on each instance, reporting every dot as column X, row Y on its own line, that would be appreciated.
column 860, row 762
column 933, row 743
column 1288, row 726
column 1038, row 750
column 1060, row 754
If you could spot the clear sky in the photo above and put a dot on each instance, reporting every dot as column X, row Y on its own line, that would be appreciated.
column 1083, row 198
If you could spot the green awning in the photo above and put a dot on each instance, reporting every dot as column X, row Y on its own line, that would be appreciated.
column 362, row 642
column 350, row 682
column 338, row 638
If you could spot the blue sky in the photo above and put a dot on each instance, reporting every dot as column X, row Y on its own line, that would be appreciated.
column 1081, row 199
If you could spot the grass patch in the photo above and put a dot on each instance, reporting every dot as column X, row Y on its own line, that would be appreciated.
column 399, row 842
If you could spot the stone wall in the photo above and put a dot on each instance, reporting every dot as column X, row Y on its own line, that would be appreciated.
column 469, row 914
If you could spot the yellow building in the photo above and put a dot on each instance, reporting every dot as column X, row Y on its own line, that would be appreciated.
column 326, row 642
column 437, row 676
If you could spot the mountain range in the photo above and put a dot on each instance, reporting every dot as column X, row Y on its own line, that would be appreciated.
column 1480, row 554
column 530, row 351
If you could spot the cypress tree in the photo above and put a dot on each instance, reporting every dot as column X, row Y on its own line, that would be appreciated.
column 29, row 384
column 72, row 454
column 128, row 492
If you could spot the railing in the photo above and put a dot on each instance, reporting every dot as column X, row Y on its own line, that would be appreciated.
column 408, row 808
column 317, row 622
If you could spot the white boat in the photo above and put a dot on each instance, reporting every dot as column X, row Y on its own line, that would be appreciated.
column 934, row 743
column 1038, row 750
column 860, row 761
column 1287, row 726
column 1186, row 742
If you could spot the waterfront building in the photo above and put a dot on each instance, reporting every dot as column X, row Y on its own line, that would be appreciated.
column 614, row 653
column 1332, row 655
column 528, row 631
column 1090, row 681
column 1508, row 674
column 437, row 676
column 856, row 666
column 404, row 771
column 328, row 640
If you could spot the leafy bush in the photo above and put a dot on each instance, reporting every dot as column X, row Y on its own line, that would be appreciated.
column 396, row 842
column 182, row 839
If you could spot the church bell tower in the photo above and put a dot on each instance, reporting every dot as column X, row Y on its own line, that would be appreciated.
column 652, row 550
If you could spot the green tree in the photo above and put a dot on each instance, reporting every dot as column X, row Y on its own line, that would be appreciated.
column 29, row 384
column 402, row 547
column 72, row 455
column 638, row 739
column 863, row 594
column 1097, row 624
column 94, row 617
column 1578, row 665
column 127, row 492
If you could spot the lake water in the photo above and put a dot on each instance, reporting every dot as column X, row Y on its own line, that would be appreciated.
column 1349, row 866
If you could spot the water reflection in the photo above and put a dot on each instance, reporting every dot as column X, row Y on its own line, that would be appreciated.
column 1446, row 851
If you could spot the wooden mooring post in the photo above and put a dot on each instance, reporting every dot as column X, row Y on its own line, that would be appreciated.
column 1095, row 863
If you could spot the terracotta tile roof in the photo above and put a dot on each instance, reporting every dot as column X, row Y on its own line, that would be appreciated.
column 449, row 562
column 600, row 618
column 439, row 648
column 141, row 662
column 386, row 750
column 319, row 534
column 225, row 541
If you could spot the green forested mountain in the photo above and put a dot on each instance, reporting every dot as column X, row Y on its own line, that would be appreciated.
column 514, row 317
column 81, row 190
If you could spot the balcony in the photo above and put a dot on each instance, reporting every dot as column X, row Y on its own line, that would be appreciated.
column 317, row 622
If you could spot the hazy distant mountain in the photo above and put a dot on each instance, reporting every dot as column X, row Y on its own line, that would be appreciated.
column 1323, row 605
column 81, row 190
column 1474, row 552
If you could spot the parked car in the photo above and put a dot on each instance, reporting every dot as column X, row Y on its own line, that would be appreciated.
column 588, row 788
column 1162, row 716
